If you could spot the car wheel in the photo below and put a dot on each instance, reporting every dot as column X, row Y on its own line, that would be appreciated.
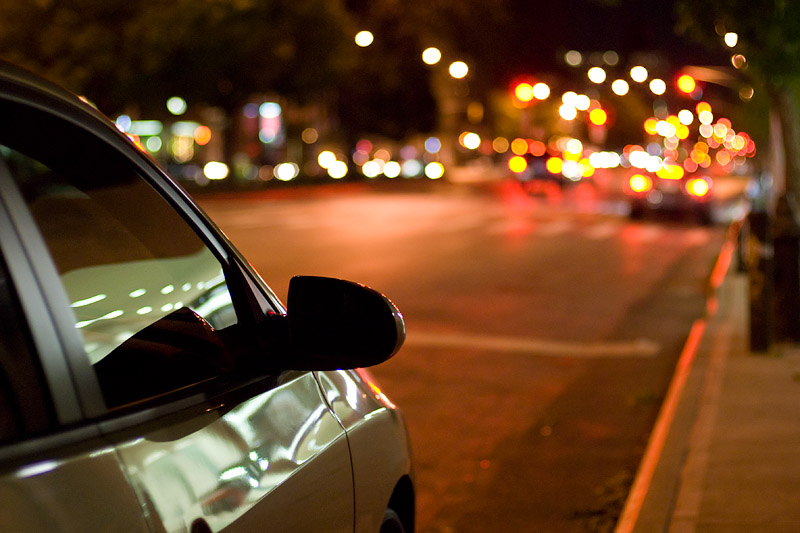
column 392, row 523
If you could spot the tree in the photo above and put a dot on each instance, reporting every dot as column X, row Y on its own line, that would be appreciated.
column 213, row 52
column 769, row 49
column 769, row 45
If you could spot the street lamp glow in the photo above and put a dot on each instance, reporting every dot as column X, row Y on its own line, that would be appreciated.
column 685, row 117
column 731, row 39
column 434, row 170
column 431, row 56
column 364, row 38
column 638, row 74
column 567, row 112
column 597, row 75
column 326, row 158
column 524, row 92
column 620, row 87
column 458, row 69
column 583, row 102
column 658, row 86
column 541, row 91
column 177, row 105
column 337, row 170
column 573, row 58
column 570, row 98
column 470, row 140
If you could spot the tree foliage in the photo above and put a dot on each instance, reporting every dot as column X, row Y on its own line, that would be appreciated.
column 215, row 52
column 769, row 40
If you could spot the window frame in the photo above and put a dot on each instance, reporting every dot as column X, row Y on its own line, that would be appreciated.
column 73, row 385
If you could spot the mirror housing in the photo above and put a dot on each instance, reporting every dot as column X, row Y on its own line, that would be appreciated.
column 335, row 324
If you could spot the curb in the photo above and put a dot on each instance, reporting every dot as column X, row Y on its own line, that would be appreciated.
column 670, row 410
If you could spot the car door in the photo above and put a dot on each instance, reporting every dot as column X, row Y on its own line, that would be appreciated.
column 153, row 320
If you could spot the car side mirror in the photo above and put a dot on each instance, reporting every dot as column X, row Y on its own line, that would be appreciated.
column 335, row 324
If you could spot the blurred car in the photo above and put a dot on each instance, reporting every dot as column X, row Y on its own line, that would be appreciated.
column 690, row 194
column 536, row 177
column 151, row 381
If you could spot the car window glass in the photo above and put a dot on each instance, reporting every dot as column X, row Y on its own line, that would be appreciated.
column 147, row 294
column 24, row 407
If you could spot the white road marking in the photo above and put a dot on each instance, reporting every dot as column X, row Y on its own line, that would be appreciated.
column 537, row 347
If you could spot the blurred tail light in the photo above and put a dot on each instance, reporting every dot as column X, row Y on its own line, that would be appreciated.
column 698, row 187
column 640, row 183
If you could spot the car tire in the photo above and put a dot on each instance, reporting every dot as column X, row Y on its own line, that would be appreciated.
column 392, row 523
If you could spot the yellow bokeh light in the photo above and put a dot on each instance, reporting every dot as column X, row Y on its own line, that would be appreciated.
column 686, row 83
column 702, row 106
column 598, row 117
column 554, row 165
column 519, row 146
column 640, row 183
column 524, row 92
column 500, row 145
column 517, row 164
column 650, row 125
column 670, row 172
column 588, row 169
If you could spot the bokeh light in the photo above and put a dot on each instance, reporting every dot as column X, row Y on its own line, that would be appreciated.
column 658, row 86
column 541, row 91
column 639, row 74
column 431, row 55
column 434, row 170
column 597, row 75
column 620, row 87
column 177, row 105
column 573, row 58
column 458, row 69
column 598, row 117
column 364, row 38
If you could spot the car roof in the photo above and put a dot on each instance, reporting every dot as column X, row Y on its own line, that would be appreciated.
column 19, row 83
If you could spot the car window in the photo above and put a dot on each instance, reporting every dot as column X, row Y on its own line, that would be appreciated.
column 147, row 294
column 24, row 406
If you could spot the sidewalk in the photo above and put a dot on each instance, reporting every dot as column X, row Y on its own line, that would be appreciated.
column 725, row 453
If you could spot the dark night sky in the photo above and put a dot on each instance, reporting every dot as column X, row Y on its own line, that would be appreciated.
column 543, row 30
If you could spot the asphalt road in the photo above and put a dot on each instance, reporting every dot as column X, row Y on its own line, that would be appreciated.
column 542, row 332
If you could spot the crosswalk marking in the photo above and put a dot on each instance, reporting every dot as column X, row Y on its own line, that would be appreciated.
column 640, row 348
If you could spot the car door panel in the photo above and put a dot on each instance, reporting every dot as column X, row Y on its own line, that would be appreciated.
column 272, row 444
column 83, row 492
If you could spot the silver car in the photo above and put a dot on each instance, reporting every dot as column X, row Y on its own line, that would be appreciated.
column 149, row 379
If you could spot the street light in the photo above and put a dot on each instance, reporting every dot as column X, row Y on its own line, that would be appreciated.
column 597, row 75
column 458, row 69
column 364, row 38
column 431, row 55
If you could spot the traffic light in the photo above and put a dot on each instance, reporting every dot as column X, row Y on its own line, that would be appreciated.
column 686, row 84
column 523, row 91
